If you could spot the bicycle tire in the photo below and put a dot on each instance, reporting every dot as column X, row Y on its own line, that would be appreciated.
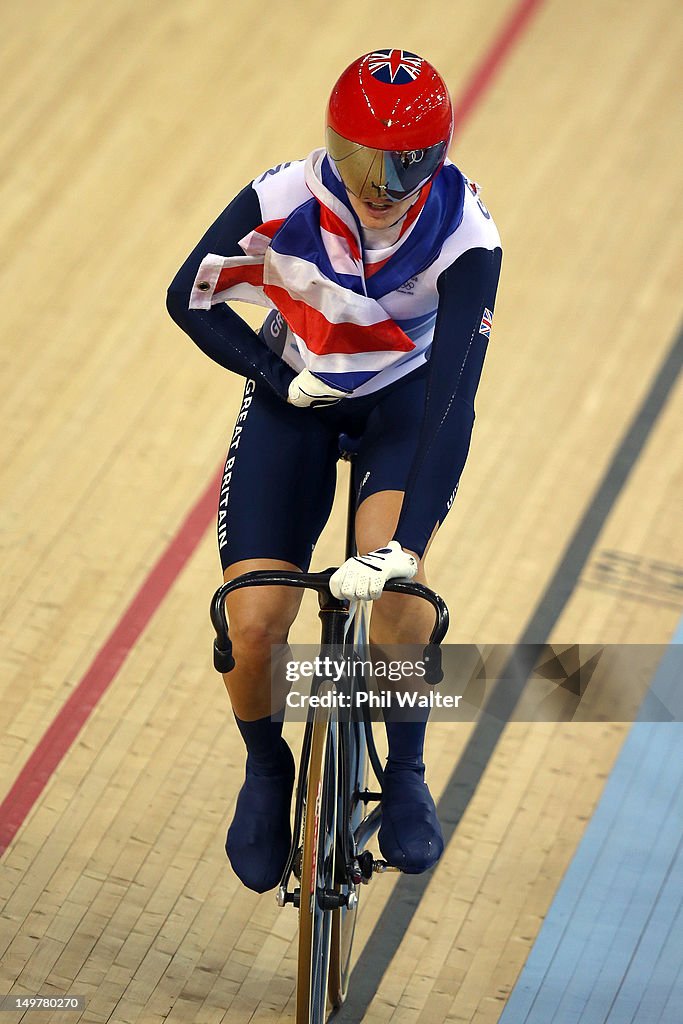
column 317, row 872
column 355, row 750
column 344, row 919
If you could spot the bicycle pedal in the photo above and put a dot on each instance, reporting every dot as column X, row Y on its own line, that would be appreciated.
column 283, row 897
column 365, row 862
column 365, row 866
column 381, row 866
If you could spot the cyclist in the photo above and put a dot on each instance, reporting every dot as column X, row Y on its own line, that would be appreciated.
column 379, row 264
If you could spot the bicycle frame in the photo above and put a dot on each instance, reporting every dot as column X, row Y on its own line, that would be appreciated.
column 353, row 864
column 333, row 614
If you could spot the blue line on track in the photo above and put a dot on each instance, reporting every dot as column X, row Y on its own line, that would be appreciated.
column 611, row 948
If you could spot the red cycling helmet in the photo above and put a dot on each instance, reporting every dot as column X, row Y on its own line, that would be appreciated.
column 389, row 124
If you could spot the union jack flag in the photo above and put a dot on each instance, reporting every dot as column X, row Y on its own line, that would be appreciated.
column 310, row 267
column 486, row 322
column 397, row 67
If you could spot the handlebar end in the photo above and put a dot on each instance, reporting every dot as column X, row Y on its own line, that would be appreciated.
column 433, row 668
column 223, row 660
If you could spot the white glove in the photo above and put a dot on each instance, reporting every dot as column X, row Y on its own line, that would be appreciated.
column 364, row 576
column 308, row 390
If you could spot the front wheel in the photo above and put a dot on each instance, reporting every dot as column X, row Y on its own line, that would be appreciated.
column 353, row 766
column 317, row 872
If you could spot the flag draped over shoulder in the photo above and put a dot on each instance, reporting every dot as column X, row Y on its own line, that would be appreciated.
column 312, row 268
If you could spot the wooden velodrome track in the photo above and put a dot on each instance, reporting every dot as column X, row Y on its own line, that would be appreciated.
column 125, row 129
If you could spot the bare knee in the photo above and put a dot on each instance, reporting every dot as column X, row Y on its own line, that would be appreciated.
column 396, row 618
column 259, row 617
column 257, row 624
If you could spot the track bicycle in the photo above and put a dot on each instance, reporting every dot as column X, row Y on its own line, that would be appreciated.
column 329, row 861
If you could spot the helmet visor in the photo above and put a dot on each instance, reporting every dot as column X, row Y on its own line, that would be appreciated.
column 377, row 174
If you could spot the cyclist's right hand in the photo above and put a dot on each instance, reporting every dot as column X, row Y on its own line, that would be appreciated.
column 308, row 391
column 363, row 577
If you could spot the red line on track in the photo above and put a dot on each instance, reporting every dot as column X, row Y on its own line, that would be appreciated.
column 69, row 721
column 487, row 68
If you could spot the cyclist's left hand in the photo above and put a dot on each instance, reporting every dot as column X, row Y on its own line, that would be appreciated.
column 364, row 576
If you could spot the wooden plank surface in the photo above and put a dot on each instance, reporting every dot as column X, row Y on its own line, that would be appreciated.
column 125, row 130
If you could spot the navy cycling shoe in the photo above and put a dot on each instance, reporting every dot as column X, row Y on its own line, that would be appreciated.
column 260, row 834
column 410, row 837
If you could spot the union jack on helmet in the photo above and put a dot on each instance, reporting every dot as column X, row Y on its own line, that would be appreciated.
column 389, row 124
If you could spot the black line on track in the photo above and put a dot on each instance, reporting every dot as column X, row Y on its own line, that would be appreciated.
column 401, row 906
